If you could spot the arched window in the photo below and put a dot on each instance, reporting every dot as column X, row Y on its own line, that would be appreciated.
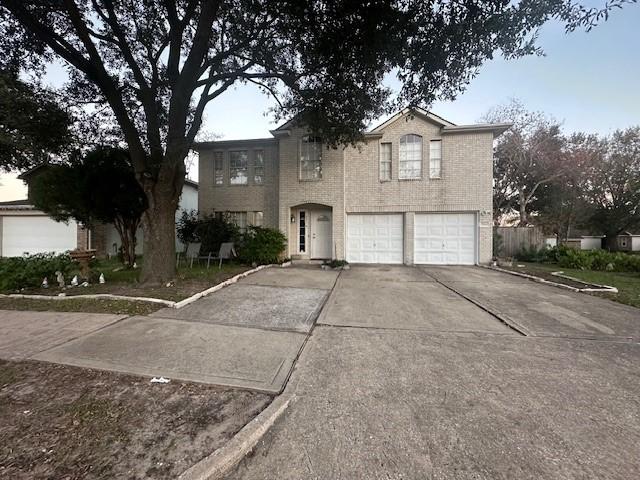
column 410, row 157
column 310, row 158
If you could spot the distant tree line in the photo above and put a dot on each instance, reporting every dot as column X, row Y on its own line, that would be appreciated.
column 563, row 182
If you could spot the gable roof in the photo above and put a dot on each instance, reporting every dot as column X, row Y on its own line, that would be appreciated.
column 421, row 112
column 16, row 205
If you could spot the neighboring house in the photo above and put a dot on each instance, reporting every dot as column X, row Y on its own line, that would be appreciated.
column 627, row 242
column 26, row 230
column 417, row 190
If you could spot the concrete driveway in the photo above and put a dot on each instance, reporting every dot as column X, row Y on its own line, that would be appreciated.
column 246, row 335
column 395, row 384
column 538, row 309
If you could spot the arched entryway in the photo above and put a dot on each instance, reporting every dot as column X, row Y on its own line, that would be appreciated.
column 311, row 231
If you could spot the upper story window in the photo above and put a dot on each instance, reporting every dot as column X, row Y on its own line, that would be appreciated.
column 218, row 168
column 410, row 157
column 258, row 167
column 385, row 161
column 435, row 158
column 238, row 168
column 310, row 158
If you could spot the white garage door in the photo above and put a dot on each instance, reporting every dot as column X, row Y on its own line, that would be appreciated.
column 375, row 238
column 36, row 235
column 445, row 238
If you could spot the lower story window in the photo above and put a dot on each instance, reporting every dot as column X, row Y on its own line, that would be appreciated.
column 239, row 219
column 303, row 233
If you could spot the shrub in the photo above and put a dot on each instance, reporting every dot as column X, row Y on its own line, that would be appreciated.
column 186, row 226
column 262, row 246
column 597, row 260
column 212, row 231
column 498, row 244
column 28, row 271
column 538, row 255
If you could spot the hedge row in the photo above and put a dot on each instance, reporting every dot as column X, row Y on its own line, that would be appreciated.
column 583, row 259
column 29, row 271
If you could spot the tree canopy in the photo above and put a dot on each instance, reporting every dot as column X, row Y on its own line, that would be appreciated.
column 97, row 188
column 157, row 64
column 32, row 124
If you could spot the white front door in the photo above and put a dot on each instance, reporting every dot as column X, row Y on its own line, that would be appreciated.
column 445, row 239
column 321, row 234
column 375, row 238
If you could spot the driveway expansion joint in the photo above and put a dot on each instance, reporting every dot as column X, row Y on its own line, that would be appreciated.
column 497, row 315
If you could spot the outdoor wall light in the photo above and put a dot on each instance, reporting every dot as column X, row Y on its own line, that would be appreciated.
column 293, row 219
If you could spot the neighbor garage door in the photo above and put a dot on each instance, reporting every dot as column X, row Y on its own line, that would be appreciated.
column 375, row 238
column 445, row 238
column 36, row 234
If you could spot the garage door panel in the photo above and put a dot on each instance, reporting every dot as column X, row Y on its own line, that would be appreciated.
column 379, row 240
column 445, row 238
column 36, row 234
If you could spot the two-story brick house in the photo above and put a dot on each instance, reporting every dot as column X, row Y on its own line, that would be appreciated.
column 417, row 190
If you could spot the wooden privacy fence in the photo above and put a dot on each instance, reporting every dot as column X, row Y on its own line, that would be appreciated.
column 515, row 239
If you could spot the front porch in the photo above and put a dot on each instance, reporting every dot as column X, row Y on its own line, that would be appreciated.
column 311, row 232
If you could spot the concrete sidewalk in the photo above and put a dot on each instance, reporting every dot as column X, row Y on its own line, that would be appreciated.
column 223, row 355
column 23, row 334
column 247, row 335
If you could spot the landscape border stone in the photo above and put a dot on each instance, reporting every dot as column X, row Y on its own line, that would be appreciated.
column 596, row 287
column 168, row 303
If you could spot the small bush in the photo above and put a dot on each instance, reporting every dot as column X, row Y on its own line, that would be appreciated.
column 262, row 246
column 212, row 231
column 336, row 263
column 28, row 271
column 538, row 255
column 567, row 257
column 186, row 226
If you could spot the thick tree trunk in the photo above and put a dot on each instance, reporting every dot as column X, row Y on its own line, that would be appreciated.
column 159, row 227
column 524, row 216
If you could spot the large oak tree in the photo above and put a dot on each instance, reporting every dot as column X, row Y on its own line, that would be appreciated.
column 158, row 63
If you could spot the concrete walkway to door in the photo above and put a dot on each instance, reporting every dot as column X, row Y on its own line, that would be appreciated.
column 246, row 335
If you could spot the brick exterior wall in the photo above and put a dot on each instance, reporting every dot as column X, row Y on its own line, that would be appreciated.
column 351, row 182
column 240, row 198
column 325, row 193
column 465, row 185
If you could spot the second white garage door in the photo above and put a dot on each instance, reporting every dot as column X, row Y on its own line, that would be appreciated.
column 36, row 234
column 375, row 238
column 445, row 239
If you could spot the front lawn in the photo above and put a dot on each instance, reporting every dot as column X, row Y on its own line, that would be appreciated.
column 627, row 283
column 65, row 422
column 120, row 281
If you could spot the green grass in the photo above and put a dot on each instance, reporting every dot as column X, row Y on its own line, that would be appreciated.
column 122, row 281
column 628, row 284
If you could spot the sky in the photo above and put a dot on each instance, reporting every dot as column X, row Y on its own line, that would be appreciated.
column 587, row 80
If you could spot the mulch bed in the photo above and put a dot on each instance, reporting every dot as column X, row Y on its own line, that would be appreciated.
column 71, row 423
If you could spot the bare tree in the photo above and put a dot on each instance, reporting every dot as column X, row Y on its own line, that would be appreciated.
column 529, row 155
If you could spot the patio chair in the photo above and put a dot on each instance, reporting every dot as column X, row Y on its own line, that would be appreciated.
column 192, row 251
column 227, row 252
